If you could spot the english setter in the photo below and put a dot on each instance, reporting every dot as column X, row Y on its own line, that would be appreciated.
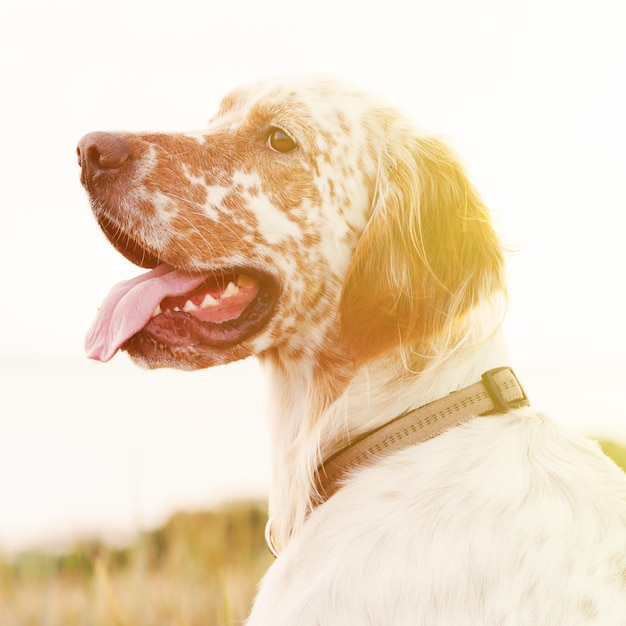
column 314, row 227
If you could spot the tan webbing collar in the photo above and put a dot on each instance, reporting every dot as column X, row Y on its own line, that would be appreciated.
column 499, row 391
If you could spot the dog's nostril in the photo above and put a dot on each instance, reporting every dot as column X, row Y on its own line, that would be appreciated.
column 103, row 151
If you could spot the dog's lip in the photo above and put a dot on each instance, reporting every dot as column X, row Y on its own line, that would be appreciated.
column 127, row 245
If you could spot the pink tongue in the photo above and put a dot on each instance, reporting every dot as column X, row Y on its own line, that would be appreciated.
column 129, row 307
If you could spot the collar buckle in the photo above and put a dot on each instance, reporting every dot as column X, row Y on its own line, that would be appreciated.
column 506, row 395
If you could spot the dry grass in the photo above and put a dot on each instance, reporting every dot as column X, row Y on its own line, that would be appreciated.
column 199, row 570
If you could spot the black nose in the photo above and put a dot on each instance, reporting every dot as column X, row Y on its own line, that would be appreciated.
column 99, row 152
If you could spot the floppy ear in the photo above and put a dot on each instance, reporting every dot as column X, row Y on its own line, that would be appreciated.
column 427, row 255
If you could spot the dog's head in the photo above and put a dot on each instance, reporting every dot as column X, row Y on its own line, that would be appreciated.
column 304, row 216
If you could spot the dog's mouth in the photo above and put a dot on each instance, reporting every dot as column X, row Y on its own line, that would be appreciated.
column 171, row 309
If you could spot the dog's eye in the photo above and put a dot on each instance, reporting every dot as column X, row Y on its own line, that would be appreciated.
column 279, row 141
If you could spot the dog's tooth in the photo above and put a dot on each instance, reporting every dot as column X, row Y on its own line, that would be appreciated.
column 246, row 281
column 230, row 290
column 157, row 311
column 176, row 308
column 209, row 300
column 189, row 306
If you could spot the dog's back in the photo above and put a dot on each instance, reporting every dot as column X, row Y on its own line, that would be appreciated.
column 503, row 521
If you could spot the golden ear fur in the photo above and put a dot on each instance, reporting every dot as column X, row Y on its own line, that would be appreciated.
column 428, row 253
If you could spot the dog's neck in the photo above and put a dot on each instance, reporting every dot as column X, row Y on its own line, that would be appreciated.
column 307, row 427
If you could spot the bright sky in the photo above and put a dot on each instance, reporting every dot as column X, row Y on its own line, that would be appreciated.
column 532, row 94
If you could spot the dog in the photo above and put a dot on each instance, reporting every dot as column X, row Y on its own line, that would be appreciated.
column 314, row 227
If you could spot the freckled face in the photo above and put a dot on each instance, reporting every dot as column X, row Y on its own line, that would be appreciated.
column 270, row 198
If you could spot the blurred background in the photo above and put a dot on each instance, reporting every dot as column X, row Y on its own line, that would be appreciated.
column 531, row 94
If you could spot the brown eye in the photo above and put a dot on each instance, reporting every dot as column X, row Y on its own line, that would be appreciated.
column 279, row 141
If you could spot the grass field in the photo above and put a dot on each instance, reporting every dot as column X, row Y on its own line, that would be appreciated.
column 200, row 569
